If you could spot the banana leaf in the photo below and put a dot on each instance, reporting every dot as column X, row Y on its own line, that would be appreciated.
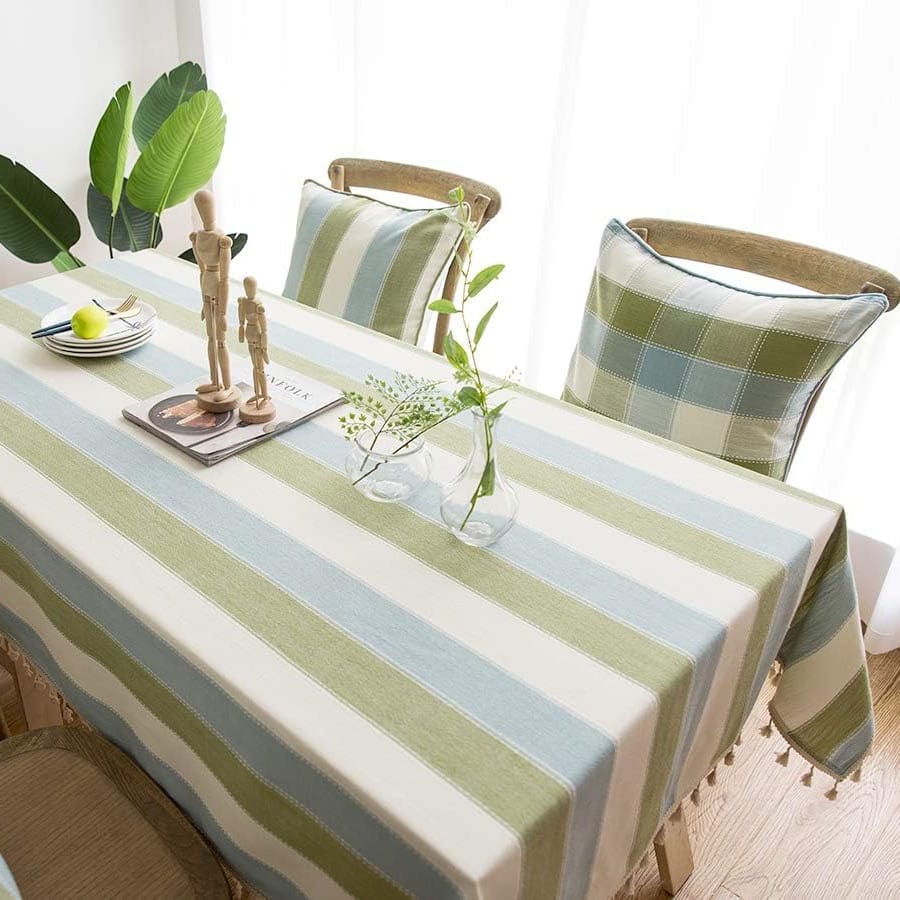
column 238, row 242
column 181, row 157
column 132, row 227
column 165, row 94
column 65, row 262
column 109, row 148
column 36, row 224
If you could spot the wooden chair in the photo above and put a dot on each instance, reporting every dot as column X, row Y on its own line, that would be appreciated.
column 484, row 202
column 78, row 818
column 807, row 267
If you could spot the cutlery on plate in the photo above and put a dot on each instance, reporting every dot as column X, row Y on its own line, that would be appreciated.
column 126, row 309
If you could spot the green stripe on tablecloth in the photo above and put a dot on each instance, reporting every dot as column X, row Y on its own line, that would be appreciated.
column 275, row 812
column 321, row 254
column 844, row 715
column 505, row 783
column 671, row 683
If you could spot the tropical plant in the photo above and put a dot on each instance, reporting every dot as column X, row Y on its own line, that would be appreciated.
column 179, row 129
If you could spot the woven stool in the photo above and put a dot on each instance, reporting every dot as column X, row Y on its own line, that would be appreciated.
column 79, row 819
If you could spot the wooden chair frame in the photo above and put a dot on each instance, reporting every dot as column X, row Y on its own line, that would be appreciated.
column 808, row 267
column 433, row 184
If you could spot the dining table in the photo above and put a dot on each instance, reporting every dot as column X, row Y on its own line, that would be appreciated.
column 347, row 700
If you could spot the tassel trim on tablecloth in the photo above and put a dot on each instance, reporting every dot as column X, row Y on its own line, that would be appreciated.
column 41, row 681
column 806, row 779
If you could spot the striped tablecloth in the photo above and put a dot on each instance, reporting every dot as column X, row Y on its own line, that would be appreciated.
column 346, row 699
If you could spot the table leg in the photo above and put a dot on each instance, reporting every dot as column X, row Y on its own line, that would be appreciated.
column 673, row 853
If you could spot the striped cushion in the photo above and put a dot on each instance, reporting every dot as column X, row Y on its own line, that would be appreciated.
column 367, row 261
column 724, row 370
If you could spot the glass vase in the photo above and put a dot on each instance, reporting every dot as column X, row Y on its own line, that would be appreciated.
column 479, row 506
column 391, row 473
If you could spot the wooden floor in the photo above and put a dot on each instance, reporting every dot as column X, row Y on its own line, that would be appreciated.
column 760, row 834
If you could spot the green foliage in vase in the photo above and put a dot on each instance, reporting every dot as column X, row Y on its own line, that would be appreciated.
column 403, row 408
column 179, row 128
column 476, row 391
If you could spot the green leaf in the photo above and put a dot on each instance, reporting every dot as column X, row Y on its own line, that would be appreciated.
column 166, row 93
column 65, row 262
column 109, row 147
column 455, row 352
column 181, row 156
column 495, row 412
column 484, row 278
column 132, row 227
column 443, row 306
column 488, row 477
column 483, row 323
column 468, row 396
column 238, row 242
column 457, row 195
column 36, row 224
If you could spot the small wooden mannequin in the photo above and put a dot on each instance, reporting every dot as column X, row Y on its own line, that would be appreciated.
column 252, row 318
column 212, row 250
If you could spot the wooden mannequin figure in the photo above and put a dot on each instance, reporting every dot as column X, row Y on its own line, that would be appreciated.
column 252, row 318
column 212, row 250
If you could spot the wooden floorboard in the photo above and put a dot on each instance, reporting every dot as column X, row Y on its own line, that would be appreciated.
column 758, row 833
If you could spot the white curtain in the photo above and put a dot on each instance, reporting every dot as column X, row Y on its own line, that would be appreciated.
column 779, row 117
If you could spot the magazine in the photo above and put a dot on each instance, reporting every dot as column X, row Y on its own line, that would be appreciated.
column 211, row 437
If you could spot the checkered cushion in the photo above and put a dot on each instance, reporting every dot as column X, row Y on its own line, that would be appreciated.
column 367, row 261
column 727, row 371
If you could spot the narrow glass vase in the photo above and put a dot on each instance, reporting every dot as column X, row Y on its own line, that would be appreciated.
column 479, row 506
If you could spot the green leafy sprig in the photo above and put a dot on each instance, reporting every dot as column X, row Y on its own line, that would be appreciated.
column 403, row 408
column 475, row 391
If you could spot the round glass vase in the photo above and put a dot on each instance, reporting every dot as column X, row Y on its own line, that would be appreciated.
column 391, row 473
column 479, row 506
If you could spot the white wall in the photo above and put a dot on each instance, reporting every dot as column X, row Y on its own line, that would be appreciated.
column 60, row 64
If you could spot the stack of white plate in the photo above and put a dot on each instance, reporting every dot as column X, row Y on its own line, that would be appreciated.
column 121, row 335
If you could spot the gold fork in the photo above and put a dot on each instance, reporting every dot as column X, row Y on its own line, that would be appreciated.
column 126, row 309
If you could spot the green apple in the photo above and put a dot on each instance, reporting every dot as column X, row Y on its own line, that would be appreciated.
column 90, row 322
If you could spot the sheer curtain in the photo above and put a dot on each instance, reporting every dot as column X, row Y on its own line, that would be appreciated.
column 779, row 118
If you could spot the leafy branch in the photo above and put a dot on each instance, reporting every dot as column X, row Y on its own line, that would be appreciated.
column 475, row 392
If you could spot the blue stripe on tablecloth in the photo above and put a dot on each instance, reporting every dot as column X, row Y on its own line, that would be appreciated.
column 313, row 218
column 272, row 883
column 854, row 747
column 262, row 752
column 374, row 266
column 577, row 754
column 835, row 603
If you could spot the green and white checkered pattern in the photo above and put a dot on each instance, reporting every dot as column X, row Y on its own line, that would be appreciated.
column 726, row 371
column 369, row 262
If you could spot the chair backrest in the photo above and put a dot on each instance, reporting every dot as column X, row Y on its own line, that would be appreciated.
column 484, row 203
column 808, row 267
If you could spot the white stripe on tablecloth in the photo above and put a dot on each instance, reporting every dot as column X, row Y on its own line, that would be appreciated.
column 163, row 743
column 352, row 248
column 428, row 811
